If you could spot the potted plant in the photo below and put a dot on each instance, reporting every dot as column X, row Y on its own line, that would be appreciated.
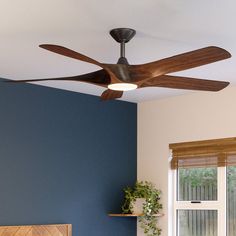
column 150, row 206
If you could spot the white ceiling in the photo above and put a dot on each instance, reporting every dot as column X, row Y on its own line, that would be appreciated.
column 164, row 28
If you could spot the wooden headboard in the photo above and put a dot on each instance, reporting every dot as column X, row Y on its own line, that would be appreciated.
column 37, row 230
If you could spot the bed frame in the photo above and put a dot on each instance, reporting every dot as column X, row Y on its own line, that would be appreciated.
column 37, row 230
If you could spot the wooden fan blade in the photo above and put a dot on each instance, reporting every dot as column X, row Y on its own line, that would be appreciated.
column 178, row 82
column 179, row 62
column 76, row 55
column 111, row 94
column 100, row 77
column 69, row 53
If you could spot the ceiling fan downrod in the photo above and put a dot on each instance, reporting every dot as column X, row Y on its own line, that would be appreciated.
column 122, row 36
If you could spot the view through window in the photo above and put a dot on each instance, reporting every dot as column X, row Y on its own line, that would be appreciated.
column 194, row 186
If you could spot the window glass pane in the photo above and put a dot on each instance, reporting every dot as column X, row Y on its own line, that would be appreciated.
column 197, row 223
column 197, row 184
column 231, row 201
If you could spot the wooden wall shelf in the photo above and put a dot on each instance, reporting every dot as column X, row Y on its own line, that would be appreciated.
column 132, row 215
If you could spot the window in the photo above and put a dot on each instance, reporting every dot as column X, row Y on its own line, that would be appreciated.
column 204, row 177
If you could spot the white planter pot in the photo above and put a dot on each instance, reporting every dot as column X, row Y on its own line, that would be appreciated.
column 138, row 206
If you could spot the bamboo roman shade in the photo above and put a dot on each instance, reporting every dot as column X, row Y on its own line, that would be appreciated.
column 217, row 152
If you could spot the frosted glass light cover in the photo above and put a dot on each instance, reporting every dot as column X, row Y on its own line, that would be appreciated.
column 122, row 86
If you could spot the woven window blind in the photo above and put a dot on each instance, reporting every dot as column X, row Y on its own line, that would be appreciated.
column 208, row 153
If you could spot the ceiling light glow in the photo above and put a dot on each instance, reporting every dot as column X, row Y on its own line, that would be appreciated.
column 122, row 86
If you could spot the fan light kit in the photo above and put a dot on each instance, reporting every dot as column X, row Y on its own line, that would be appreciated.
column 122, row 86
column 120, row 77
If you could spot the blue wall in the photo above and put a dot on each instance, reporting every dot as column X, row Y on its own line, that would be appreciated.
column 64, row 158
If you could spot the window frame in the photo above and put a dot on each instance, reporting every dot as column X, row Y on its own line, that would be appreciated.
column 219, row 205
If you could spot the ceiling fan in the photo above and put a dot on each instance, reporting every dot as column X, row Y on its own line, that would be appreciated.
column 122, row 76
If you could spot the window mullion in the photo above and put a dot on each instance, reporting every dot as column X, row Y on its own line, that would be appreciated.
column 222, row 200
column 204, row 205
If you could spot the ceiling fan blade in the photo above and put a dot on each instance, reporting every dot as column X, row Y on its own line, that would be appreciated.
column 76, row 55
column 69, row 53
column 100, row 77
column 111, row 94
column 178, row 82
column 179, row 62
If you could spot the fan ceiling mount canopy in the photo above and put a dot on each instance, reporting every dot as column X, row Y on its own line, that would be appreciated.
column 122, row 76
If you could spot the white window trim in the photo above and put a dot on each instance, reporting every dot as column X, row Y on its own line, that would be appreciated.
column 219, row 205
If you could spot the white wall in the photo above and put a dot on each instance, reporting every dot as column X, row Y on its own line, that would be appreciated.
column 197, row 116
